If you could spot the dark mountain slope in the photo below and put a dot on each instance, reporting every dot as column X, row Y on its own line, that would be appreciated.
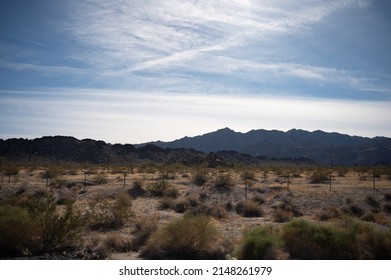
column 317, row 145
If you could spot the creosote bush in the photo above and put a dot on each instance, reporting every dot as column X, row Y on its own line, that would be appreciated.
column 158, row 188
column 186, row 238
column 258, row 243
column 319, row 177
column 223, row 182
column 107, row 215
column 36, row 226
column 199, row 177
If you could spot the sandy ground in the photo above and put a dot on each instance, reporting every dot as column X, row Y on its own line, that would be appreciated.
column 303, row 198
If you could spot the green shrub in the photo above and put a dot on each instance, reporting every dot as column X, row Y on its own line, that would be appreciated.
column 306, row 240
column 35, row 226
column 16, row 231
column 259, row 243
column 187, row 238
column 55, row 229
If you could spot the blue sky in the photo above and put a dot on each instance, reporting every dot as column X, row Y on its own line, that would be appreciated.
column 136, row 71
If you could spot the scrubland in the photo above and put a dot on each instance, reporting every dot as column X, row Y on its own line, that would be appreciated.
column 151, row 211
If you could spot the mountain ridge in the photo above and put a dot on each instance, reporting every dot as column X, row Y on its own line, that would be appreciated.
column 316, row 145
column 295, row 146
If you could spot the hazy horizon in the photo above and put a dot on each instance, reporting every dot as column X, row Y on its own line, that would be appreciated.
column 141, row 71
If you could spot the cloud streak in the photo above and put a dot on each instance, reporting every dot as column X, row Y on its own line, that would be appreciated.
column 193, row 36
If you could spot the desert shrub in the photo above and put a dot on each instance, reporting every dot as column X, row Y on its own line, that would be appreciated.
column 371, row 201
column 187, row 238
column 35, row 226
column 149, row 167
column 367, row 241
column 55, row 229
column 50, row 173
column 223, row 182
column 248, row 208
column 306, row 240
column 387, row 196
column 199, row 176
column 356, row 210
column 117, row 243
column 348, row 201
column 319, row 177
column 327, row 213
column 282, row 215
column 166, row 203
column 258, row 243
column 387, row 208
column 158, row 188
column 101, row 179
column 229, row 206
column 145, row 226
column 258, row 199
column 16, row 230
column 193, row 201
column 171, row 191
column 10, row 170
column 202, row 209
column 248, row 174
column 203, row 196
column 138, row 184
column 368, row 217
column 180, row 206
column 107, row 215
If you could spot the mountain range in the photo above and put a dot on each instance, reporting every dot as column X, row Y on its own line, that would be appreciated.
column 322, row 147
column 221, row 147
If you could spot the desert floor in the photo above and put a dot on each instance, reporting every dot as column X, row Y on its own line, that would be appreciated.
column 351, row 192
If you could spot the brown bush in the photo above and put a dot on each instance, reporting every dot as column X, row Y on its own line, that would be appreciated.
column 371, row 201
column 282, row 216
column 258, row 199
column 144, row 227
column 248, row 208
column 327, row 213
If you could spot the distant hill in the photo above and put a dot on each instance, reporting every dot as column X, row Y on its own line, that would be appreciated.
column 319, row 146
column 64, row 149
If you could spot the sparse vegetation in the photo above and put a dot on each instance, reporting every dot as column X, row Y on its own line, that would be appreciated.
column 107, row 222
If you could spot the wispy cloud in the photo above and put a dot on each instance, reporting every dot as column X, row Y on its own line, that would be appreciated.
column 178, row 39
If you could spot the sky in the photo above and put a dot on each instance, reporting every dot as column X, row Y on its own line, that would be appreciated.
column 128, row 71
